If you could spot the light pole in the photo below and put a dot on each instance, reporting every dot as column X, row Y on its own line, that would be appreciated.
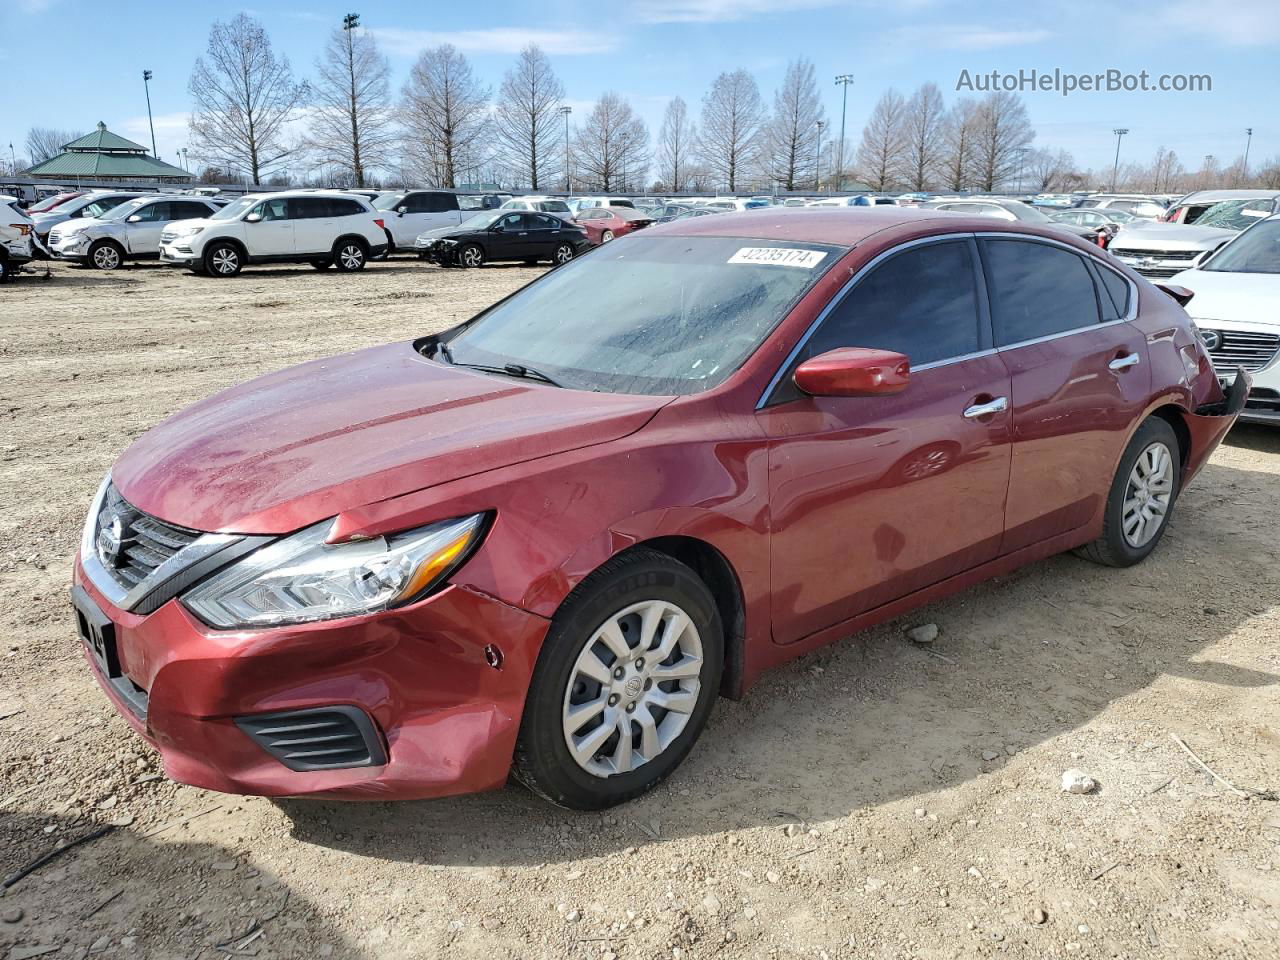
column 1248, row 132
column 817, row 173
column 13, row 158
column 146, row 83
column 564, row 112
column 1115, row 169
column 844, row 80
column 183, row 151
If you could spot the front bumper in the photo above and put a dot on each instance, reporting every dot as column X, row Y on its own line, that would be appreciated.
column 177, row 253
column 446, row 718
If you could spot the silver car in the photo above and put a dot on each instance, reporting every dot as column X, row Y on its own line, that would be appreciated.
column 1159, row 250
column 89, row 206
column 129, row 231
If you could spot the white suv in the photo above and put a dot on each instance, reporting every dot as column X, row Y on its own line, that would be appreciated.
column 293, row 226
column 130, row 231
column 15, row 237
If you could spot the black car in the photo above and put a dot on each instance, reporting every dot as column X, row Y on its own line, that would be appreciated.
column 503, row 235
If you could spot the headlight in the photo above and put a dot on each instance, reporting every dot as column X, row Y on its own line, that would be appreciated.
column 301, row 578
column 190, row 230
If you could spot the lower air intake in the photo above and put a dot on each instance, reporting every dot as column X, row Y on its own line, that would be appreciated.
column 321, row 738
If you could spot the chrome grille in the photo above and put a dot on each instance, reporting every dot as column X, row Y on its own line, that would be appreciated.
column 1161, row 254
column 1158, row 273
column 144, row 542
column 1235, row 348
column 168, row 236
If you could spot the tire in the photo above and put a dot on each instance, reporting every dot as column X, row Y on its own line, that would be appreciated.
column 471, row 256
column 606, row 236
column 350, row 255
column 223, row 260
column 322, row 264
column 1125, row 540
column 106, row 255
column 563, row 254
column 620, row 593
column 6, row 270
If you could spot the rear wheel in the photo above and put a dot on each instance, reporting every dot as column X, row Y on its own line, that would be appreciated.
column 350, row 255
column 1142, row 496
column 471, row 256
column 563, row 254
column 6, row 271
column 106, row 255
column 223, row 260
column 624, row 684
column 606, row 236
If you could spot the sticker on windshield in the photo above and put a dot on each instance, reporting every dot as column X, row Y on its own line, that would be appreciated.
column 779, row 256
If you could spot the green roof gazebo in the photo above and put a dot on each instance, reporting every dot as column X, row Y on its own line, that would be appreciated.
column 103, row 155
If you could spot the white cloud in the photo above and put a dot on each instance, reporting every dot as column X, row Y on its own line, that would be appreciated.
column 976, row 38
column 1245, row 23
column 719, row 11
column 408, row 43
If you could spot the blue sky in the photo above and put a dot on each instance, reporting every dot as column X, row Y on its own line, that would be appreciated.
column 650, row 50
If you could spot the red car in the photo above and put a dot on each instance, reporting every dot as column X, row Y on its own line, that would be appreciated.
column 606, row 223
column 546, row 540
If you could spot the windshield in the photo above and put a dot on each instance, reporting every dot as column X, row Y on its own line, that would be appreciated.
column 98, row 207
column 1235, row 214
column 387, row 202
column 234, row 208
column 1028, row 213
column 1257, row 250
column 125, row 209
column 647, row 315
column 48, row 203
column 483, row 221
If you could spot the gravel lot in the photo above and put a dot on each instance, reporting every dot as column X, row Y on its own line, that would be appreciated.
column 877, row 799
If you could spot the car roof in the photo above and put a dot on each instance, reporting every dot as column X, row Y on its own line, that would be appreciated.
column 835, row 225
column 1209, row 196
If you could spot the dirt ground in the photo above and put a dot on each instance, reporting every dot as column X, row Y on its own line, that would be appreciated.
column 875, row 800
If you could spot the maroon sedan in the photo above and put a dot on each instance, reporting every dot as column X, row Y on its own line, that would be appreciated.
column 607, row 223
column 546, row 540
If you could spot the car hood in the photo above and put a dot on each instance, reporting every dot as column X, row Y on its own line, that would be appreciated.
column 1236, row 297
column 201, row 222
column 446, row 233
column 1170, row 236
column 292, row 448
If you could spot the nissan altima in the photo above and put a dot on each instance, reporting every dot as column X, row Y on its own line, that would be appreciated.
column 545, row 541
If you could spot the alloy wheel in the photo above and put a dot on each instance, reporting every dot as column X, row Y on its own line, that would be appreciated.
column 472, row 257
column 225, row 260
column 564, row 253
column 606, row 236
column 106, row 257
column 633, row 688
column 1148, row 495
column 352, row 257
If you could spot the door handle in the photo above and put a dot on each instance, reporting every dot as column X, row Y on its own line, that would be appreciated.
column 1128, row 360
column 998, row 405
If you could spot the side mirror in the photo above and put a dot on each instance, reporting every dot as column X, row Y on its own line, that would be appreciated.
column 136, row 218
column 853, row 372
column 401, row 211
column 253, row 218
column 497, row 228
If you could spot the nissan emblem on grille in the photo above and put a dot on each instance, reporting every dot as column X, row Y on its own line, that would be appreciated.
column 110, row 537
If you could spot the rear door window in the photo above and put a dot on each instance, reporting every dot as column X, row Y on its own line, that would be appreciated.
column 1037, row 290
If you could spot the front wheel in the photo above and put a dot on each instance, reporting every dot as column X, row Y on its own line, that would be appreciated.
column 106, row 255
column 223, row 260
column 606, row 236
column 1141, row 498
column 624, row 684
column 471, row 256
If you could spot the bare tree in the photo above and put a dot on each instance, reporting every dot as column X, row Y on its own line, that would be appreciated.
column 243, row 96
column 1049, row 170
column 1003, row 132
column 1268, row 174
column 793, row 128
column 45, row 143
column 445, row 112
column 1166, row 170
column 960, row 137
column 732, row 117
column 923, row 126
column 352, row 130
column 676, row 142
column 612, row 146
column 527, row 118
column 882, row 150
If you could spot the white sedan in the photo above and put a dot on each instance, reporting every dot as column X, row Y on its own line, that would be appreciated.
column 1237, row 290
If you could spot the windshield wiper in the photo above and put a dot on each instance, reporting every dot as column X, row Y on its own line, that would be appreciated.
column 511, row 370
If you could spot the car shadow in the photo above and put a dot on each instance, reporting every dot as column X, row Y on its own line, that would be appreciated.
column 1019, row 661
column 1255, row 436
column 143, row 891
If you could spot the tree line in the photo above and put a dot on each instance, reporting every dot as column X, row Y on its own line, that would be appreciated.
column 252, row 119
